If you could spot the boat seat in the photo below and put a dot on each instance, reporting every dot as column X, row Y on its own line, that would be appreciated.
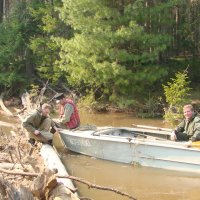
column 116, row 132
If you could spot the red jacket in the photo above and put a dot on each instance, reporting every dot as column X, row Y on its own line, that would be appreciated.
column 74, row 119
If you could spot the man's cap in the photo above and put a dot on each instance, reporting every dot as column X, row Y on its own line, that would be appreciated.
column 59, row 96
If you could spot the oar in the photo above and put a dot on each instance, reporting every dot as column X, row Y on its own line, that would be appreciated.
column 152, row 127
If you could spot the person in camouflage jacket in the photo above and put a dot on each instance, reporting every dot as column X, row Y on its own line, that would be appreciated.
column 189, row 128
column 38, row 124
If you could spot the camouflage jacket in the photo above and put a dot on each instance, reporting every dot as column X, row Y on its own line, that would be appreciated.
column 191, row 127
column 33, row 121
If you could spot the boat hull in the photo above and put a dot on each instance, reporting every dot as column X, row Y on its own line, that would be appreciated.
column 132, row 150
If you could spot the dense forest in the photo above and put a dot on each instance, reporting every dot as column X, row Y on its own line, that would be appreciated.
column 116, row 52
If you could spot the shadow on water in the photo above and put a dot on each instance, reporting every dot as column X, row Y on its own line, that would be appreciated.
column 140, row 182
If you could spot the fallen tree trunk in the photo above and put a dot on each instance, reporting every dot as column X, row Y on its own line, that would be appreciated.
column 7, row 191
column 8, row 112
column 6, row 124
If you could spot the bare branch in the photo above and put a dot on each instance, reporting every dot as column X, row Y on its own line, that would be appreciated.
column 80, row 180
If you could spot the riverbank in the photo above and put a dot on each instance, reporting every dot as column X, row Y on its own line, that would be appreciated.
column 20, row 113
column 25, row 170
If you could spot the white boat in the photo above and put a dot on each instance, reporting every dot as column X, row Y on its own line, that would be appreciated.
column 132, row 146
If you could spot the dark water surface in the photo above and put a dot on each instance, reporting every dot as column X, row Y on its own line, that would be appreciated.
column 140, row 182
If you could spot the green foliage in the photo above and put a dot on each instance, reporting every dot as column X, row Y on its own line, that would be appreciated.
column 88, row 102
column 44, row 48
column 109, row 50
column 151, row 107
column 15, row 30
column 177, row 94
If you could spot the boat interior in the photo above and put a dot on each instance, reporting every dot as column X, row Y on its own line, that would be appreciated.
column 128, row 133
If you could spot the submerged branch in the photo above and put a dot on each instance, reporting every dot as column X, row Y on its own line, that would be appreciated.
column 80, row 180
column 92, row 185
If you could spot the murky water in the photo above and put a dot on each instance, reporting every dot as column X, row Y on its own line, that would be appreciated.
column 140, row 182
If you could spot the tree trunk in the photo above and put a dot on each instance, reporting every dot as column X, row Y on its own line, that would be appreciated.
column 29, row 66
column 1, row 10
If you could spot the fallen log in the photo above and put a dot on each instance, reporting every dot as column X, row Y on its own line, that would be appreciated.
column 46, row 186
column 8, row 191
column 80, row 180
column 7, row 166
column 6, row 124
column 4, row 160
column 8, row 112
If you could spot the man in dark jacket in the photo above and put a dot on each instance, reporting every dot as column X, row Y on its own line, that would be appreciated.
column 38, row 124
column 189, row 128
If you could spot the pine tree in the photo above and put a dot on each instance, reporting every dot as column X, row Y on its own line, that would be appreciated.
column 111, row 50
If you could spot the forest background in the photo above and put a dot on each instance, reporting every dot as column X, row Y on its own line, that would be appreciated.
column 110, row 53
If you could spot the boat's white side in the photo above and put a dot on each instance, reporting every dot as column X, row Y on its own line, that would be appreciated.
column 146, row 152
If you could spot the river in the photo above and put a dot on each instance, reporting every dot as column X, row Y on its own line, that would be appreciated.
column 140, row 182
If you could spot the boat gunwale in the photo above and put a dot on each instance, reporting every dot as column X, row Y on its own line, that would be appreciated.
column 134, row 141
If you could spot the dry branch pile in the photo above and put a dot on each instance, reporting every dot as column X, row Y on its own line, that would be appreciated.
column 14, row 155
column 18, row 156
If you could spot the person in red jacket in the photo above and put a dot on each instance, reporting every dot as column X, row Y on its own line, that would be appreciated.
column 69, row 116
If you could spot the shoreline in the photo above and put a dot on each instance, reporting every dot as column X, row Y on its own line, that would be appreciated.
column 37, row 159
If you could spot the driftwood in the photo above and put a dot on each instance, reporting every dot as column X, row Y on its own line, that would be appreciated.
column 4, row 160
column 6, row 165
column 6, row 124
column 8, row 112
column 17, row 114
column 92, row 185
column 80, row 180
column 9, row 191
column 25, row 194
column 45, row 186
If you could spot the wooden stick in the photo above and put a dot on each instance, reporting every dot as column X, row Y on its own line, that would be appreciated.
column 7, row 124
column 8, row 112
column 92, row 185
column 80, row 180
column 152, row 127
column 8, row 166
column 19, row 112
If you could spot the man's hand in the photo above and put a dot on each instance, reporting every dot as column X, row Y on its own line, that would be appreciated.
column 57, row 129
column 173, row 136
column 36, row 132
